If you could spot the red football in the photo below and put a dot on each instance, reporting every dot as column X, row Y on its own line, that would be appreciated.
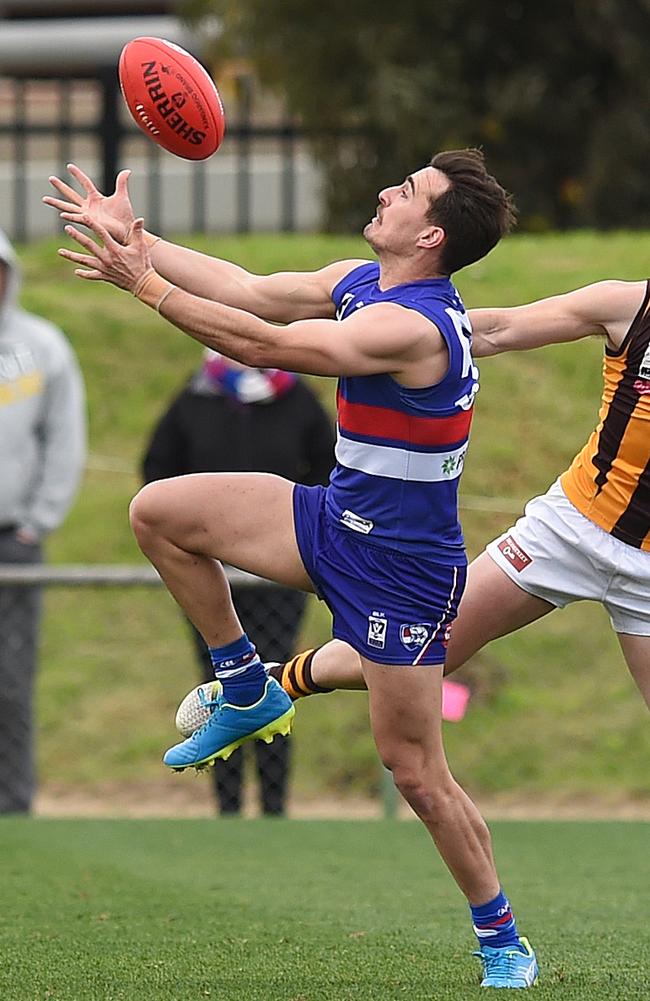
column 171, row 97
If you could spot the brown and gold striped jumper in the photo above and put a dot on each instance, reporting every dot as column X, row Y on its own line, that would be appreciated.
column 609, row 479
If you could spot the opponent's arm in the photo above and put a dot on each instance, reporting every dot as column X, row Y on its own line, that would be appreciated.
column 279, row 298
column 606, row 308
column 380, row 338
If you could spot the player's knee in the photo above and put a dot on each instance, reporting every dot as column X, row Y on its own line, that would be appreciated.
column 426, row 792
column 146, row 512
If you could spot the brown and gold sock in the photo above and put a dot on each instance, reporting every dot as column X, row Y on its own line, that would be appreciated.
column 295, row 676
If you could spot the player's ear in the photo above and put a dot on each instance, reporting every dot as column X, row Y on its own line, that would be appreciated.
column 431, row 237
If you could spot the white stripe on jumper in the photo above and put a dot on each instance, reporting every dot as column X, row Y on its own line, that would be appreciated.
column 440, row 620
column 400, row 463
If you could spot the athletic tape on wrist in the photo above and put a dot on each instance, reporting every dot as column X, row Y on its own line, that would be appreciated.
column 152, row 289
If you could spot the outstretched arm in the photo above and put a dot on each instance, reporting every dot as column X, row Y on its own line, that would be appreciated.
column 606, row 308
column 380, row 338
column 279, row 298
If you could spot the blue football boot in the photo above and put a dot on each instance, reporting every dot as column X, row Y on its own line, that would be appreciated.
column 513, row 966
column 229, row 726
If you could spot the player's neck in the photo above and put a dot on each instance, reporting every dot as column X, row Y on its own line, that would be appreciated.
column 401, row 271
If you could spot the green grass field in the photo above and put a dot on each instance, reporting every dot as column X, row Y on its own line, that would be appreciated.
column 306, row 911
column 115, row 663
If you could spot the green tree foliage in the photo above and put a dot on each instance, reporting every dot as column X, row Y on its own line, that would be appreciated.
column 555, row 93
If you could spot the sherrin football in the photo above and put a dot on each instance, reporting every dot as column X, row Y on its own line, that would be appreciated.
column 171, row 97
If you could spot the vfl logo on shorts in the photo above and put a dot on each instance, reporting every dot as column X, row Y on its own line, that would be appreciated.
column 377, row 626
column 415, row 635
column 514, row 553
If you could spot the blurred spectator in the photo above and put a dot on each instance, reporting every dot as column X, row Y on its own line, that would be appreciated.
column 231, row 418
column 42, row 452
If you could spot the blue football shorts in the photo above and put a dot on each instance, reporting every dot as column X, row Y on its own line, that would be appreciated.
column 391, row 607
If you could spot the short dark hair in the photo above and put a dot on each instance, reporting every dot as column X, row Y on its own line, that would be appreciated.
column 475, row 211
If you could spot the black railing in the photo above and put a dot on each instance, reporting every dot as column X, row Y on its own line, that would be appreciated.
column 108, row 137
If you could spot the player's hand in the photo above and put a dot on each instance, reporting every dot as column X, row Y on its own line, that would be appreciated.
column 113, row 212
column 122, row 265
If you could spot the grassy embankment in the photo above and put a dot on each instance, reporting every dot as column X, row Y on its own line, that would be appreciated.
column 556, row 711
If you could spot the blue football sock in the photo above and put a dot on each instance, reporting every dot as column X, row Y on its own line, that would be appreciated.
column 240, row 671
column 494, row 923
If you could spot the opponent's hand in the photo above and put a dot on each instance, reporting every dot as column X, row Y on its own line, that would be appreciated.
column 113, row 212
column 122, row 265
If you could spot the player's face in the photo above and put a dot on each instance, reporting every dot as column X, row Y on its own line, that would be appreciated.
column 401, row 221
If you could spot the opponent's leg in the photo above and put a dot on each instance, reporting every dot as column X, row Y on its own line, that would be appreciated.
column 636, row 650
column 405, row 713
column 492, row 606
column 185, row 526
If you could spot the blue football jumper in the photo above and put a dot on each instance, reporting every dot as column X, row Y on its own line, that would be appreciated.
column 400, row 451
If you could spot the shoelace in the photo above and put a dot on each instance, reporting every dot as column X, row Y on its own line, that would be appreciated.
column 212, row 705
column 503, row 962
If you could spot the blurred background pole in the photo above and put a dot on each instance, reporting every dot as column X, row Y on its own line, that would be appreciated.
column 388, row 794
column 110, row 126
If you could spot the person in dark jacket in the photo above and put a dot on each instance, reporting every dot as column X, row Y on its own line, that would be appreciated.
column 233, row 418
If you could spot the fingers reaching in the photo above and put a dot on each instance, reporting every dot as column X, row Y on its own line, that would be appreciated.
column 83, row 179
column 77, row 258
column 61, row 206
column 66, row 190
column 96, row 227
column 135, row 230
column 81, row 238
column 93, row 267
column 121, row 182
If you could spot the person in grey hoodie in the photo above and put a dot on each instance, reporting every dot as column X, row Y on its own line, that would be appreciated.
column 42, row 454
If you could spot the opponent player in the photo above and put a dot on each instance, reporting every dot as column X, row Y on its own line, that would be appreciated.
column 382, row 544
column 588, row 537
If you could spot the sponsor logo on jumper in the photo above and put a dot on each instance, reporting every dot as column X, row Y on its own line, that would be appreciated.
column 644, row 367
column 377, row 626
column 166, row 106
column 452, row 464
column 514, row 553
column 414, row 635
column 642, row 386
column 357, row 524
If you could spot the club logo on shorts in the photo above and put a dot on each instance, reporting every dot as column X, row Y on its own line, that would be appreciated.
column 377, row 626
column 514, row 553
column 414, row 635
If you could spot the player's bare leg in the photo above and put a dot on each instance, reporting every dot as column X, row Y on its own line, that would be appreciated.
column 186, row 526
column 405, row 714
column 492, row 606
column 636, row 650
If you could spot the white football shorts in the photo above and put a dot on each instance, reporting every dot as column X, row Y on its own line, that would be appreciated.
column 557, row 554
